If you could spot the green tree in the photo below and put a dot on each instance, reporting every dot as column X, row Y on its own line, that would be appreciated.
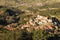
column 25, row 35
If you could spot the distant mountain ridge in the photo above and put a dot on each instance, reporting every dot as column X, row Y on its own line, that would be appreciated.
column 16, row 3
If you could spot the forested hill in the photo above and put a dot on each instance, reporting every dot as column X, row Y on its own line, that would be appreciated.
column 29, row 19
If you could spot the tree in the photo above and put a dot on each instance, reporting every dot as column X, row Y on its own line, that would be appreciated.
column 25, row 35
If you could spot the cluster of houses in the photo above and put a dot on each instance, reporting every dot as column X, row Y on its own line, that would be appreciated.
column 11, row 27
column 38, row 22
column 41, row 22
